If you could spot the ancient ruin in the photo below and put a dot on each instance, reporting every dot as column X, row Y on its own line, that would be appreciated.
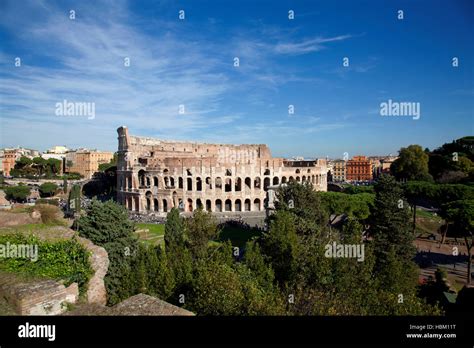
column 155, row 175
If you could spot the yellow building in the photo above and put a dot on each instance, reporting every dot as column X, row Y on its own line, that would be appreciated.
column 86, row 162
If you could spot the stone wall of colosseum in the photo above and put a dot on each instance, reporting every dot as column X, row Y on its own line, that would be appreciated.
column 155, row 175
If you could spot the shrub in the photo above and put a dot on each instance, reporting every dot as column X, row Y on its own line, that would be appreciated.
column 49, row 213
column 47, row 201
column 65, row 260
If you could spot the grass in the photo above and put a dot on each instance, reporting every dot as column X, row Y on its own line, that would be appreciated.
column 155, row 234
column 238, row 236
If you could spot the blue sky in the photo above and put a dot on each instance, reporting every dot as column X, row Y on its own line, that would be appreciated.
column 190, row 62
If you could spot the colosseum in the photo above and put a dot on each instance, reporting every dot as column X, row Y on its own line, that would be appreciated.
column 155, row 175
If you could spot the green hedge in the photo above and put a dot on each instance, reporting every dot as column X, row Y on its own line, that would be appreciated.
column 65, row 260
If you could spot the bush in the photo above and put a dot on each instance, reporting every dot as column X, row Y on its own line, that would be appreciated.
column 17, row 193
column 65, row 260
column 47, row 201
column 49, row 213
column 48, row 189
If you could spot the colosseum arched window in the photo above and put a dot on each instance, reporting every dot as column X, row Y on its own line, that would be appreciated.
column 238, row 205
column 155, row 181
column 266, row 183
column 228, row 205
column 256, row 183
column 218, row 205
column 267, row 171
column 190, row 184
column 247, row 205
column 276, row 181
column 248, row 183
column 256, row 204
column 198, row 184
column 180, row 182
column 297, row 171
column 283, row 180
column 228, row 172
column 238, row 184
column 165, row 205
column 228, row 185
column 218, row 183
column 208, row 183
column 208, row 205
column 156, row 207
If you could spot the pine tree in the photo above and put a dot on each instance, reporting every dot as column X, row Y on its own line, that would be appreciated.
column 392, row 239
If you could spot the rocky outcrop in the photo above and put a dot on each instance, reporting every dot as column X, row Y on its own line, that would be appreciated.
column 40, row 297
column 140, row 304
column 99, row 260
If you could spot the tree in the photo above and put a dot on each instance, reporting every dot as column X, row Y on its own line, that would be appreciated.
column 201, row 228
column 175, row 234
column 54, row 165
column 17, row 193
column 416, row 192
column 280, row 245
column 216, row 290
column 461, row 212
column 107, row 225
column 392, row 239
column 74, row 199
column 412, row 164
column 48, row 189
column 304, row 204
column 40, row 164
column 65, row 185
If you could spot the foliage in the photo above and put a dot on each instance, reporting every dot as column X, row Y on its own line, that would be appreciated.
column 357, row 205
column 201, row 228
column 49, row 213
column 17, row 193
column 48, row 189
column 65, row 260
column 412, row 164
column 106, row 224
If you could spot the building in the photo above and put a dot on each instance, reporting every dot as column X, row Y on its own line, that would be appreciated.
column 8, row 161
column 58, row 150
column 155, row 175
column 339, row 171
column 86, row 162
column 358, row 168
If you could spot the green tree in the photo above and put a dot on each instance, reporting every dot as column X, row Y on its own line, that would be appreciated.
column 201, row 228
column 304, row 204
column 461, row 212
column 412, row 164
column 48, row 189
column 65, row 185
column 175, row 233
column 392, row 239
column 17, row 193
column 74, row 199
column 280, row 244
column 107, row 225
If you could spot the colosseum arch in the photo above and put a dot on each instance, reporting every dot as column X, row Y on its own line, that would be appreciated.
column 208, row 183
column 228, row 205
column 141, row 177
column 267, row 171
column 276, row 181
column 208, row 205
column 266, row 183
column 238, row 205
column 256, row 204
column 218, row 183
column 256, row 183
column 190, row 205
column 228, row 185
column 155, row 181
column 238, row 185
column 189, row 185
column 155, row 205
column 165, row 205
column 198, row 184
column 180, row 182
column 248, row 183
column 247, row 205
column 283, row 180
column 218, row 205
